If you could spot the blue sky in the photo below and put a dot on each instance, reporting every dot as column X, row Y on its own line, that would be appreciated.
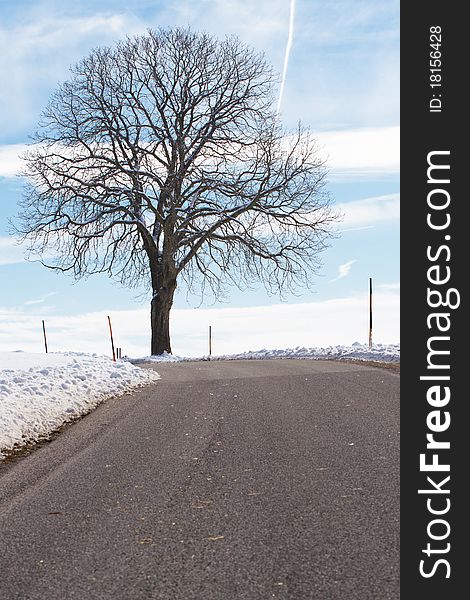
column 342, row 81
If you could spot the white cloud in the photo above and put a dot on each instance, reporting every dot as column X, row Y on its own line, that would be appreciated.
column 356, row 152
column 39, row 300
column 344, row 270
column 10, row 163
column 362, row 151
column 331, row 322
column 38, row 54
column 342, row 23
column 361, row 214
column 54, row 33
column 259, row 24
column 10, row 251
column 51, row 33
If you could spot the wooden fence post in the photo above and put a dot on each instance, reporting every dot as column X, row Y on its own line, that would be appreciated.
column 112, row 340
column 44, row 332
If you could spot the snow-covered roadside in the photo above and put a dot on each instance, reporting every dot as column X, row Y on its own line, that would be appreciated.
column 40, row 392
column 378, row 353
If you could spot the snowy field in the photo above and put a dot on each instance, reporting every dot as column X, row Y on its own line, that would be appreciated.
column 40, row 392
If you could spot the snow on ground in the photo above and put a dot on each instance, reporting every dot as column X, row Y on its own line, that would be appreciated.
column 378, row 353
column 40, row 392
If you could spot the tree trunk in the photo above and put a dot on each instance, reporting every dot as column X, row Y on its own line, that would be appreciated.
column 162, row 302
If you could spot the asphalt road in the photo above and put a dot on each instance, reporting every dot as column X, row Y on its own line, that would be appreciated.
column 223, row 481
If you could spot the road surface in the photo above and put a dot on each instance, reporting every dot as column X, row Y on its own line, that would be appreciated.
column 223, row 481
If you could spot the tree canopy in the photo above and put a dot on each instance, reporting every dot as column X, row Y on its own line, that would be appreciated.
column 162, row 159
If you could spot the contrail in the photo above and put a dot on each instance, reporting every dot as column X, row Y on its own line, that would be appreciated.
column 286, row 55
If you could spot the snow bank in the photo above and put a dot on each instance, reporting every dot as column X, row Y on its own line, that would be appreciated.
column 40, row 392
column 378, row 353
column 165, row 357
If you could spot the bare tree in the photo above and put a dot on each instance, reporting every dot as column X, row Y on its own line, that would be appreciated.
column 162, row 158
